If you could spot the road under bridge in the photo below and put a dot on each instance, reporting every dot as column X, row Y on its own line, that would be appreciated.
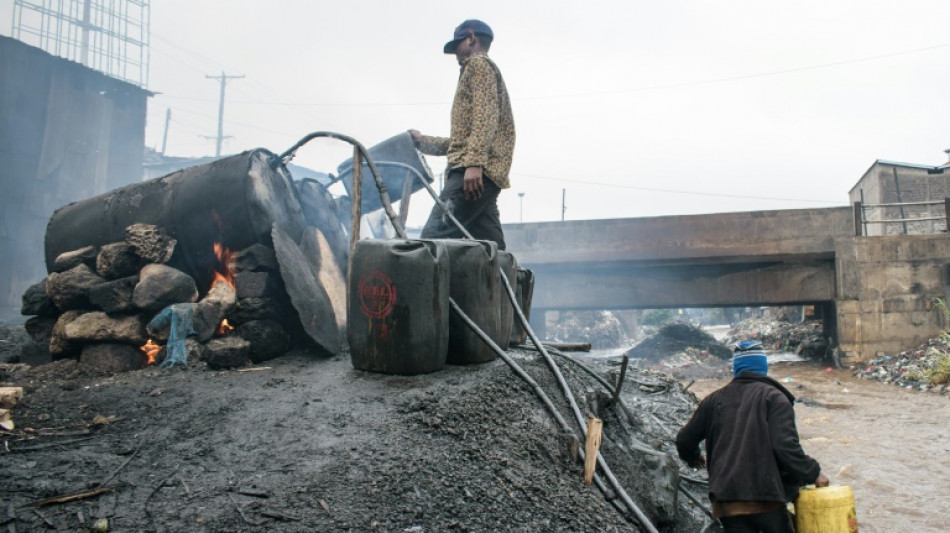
column 876, row 293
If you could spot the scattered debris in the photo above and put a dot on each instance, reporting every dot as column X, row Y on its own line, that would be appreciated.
column 600, row 329
column 925, row 368
column 804, row 338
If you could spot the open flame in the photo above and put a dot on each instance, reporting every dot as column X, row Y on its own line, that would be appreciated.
column 224, row 255
column 150, row 349
column 224, row 328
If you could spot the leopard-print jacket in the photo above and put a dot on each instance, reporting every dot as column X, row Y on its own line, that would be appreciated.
column 483, row 128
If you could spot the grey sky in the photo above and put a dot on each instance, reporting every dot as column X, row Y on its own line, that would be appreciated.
column 785, row 102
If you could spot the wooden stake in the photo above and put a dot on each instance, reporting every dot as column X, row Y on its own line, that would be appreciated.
column 356, row 208
column 591, row 447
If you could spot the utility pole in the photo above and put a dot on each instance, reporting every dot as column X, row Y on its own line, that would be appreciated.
column 168, row 118
column 563, row 205
column 223, row 78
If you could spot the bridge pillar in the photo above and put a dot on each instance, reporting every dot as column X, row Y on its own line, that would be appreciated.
column 886, row 293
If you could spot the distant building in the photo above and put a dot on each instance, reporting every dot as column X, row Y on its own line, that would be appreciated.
column 890, row 182
column 67, row 132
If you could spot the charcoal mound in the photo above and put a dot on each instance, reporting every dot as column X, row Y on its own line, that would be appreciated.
column 674, row 338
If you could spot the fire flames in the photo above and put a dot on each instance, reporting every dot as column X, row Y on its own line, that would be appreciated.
column 150, row 349
column 224, row 255
column 224, row 328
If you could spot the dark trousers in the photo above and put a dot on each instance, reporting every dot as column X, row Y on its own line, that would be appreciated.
column 777, row 521
column 479, row 216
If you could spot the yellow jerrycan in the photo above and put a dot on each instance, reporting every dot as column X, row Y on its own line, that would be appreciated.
column 826, row 510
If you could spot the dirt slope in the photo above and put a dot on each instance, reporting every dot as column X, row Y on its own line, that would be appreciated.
column 306, row 445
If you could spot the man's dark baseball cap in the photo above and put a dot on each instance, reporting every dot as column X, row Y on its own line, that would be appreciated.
column 465, row 30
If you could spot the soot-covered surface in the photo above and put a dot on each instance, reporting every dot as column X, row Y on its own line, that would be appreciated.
column 306, row 444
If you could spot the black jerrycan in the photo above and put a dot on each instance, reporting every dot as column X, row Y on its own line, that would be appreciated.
column 508, row 265
column 476, row 288
column 398, row 306
column 524, row 292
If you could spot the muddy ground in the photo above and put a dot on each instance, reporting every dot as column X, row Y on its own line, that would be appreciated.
column 309, row 444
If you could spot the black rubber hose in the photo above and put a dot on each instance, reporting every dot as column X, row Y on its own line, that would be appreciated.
column 394, row 219
column 615, row 484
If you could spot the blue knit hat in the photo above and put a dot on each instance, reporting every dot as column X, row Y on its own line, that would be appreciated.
column 749, row 357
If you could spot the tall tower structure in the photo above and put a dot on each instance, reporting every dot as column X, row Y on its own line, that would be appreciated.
column 111, row 36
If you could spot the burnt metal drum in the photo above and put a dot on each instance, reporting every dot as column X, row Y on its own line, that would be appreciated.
column 233, row 201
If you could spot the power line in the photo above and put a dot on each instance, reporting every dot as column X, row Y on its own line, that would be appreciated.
column 675, row 191
column 644, row 88
column 739, row 77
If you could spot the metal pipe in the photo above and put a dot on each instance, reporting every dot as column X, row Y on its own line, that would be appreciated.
column 897, row 204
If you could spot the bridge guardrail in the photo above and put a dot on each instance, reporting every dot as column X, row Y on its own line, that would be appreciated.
column 861, row 219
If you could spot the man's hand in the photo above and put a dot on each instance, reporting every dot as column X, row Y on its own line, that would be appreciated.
column 416, row 137
column 472, row 183
column 822, row 480
column 701, row 461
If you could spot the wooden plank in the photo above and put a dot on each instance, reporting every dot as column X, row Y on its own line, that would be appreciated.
column 595, row 428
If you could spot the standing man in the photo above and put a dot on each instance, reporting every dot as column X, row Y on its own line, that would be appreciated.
column 756, row 463
column 481, row 144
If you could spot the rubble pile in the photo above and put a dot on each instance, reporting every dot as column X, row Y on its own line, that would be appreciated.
column 925, row 368
column 804, row 339
column 601, row 329
column 683, row 350
column 114, row 306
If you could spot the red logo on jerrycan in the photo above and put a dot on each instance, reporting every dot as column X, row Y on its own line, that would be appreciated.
column 377, row 295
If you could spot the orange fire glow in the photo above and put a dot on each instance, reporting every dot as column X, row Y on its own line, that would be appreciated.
column 150, row 349
column 224, row 256
column 224, row 328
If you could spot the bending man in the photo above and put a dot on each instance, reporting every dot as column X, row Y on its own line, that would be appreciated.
column 756, row 462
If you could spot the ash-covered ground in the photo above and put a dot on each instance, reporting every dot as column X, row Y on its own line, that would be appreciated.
column 309, row 444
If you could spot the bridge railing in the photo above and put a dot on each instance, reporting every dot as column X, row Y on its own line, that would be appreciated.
column 867, row 214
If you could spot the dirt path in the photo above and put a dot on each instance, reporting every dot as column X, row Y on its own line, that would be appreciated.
column 891, row 445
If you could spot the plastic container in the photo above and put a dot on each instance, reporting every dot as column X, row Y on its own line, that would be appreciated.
column 476, row 288
column 398, row 306
column 509, row 265
column 396, row 149
column 524, row 292
column 826, row 510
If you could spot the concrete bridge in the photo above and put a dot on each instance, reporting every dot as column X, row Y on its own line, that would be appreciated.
column 876, row 294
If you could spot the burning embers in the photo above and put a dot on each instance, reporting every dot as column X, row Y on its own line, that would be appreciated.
column 121, row 307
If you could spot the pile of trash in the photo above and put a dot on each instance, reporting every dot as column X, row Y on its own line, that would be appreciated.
column 925, row 368
column 804, row 339
column 683, row 350
column 601, row 329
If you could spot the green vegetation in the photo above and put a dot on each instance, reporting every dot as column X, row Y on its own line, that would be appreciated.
column 940, row 373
